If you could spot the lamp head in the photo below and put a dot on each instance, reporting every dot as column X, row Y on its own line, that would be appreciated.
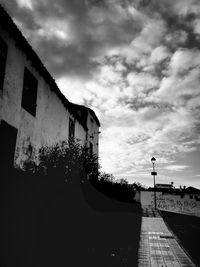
column 153, row 160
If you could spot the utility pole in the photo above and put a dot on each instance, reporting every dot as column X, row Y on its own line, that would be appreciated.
column 154, row 173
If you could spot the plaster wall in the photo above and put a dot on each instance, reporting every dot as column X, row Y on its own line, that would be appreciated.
column 172, row 203
column 93, row 134
column 51, row 123
column 137, row 196
column 80, row 133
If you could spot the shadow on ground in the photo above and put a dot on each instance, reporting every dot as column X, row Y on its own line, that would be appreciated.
column 47, row 222
column 187, row 229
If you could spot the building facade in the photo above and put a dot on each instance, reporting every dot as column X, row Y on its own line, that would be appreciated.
column 33, row 111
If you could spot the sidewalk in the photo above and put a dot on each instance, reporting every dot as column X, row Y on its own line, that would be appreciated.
column 158, row 246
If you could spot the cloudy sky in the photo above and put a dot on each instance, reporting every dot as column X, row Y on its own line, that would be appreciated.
column 137, row 64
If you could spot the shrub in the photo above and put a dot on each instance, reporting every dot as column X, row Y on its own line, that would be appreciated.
column 66, row 159
column 117, row 189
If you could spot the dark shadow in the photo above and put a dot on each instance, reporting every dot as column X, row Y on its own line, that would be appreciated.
column 187, row 229
column 47, row 222
column 118, row 231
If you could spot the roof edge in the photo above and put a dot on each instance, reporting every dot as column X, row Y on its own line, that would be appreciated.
column 8, row 24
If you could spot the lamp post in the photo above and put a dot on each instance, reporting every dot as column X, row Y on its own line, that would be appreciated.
column 154, row 173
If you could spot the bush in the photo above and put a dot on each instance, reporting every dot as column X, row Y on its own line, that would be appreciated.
column 73, row 163
column 66, row 159
column 117, row 189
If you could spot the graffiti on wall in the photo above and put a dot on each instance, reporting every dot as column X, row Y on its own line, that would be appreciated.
column 172, row 203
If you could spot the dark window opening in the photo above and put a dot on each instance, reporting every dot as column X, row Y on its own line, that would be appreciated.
column 91, row 149
column 71, row 129
column 3, row 56
column 29, row 96
column 8, row 136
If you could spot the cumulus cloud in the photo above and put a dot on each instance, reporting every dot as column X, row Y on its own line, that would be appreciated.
column 196, row 25
column 176, row 167
column 159, row 54
column 70, row 35
column 184, row 60
column 25, row 4
column 142, row 81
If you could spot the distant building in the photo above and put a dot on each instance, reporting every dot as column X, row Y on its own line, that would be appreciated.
column 163, row 186
column 33, row 111
column 193, row 193
column 192, row 190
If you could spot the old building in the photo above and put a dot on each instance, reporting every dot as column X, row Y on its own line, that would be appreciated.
column 33, row 111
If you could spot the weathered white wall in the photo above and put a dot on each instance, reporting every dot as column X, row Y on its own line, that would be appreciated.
column 137, row 196
column 172, row 203
column 80, row 133
column 93, row 135
column 51, row 123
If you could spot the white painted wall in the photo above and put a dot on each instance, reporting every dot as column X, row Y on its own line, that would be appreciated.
column 80, row 133
column 93, row 131
column 137, row 196
column 172, row 203
column 51, row 123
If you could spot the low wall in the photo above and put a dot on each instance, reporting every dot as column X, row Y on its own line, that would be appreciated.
column 172, row 203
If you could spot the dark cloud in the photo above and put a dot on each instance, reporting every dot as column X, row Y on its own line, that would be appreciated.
column 94, row 26
column 168, row 11
column 25, row 16
column 157, row 108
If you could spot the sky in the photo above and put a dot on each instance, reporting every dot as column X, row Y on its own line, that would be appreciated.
column 136, row 63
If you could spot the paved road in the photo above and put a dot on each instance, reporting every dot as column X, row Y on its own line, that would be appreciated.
column 158, row 245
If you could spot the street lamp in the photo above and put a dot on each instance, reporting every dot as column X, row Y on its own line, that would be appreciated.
column 153, row 160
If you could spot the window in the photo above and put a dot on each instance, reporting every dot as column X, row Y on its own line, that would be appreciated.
column 3, row 56
column 91, row 149
column 71, row 129
column 29, row 95
column 8, row 137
